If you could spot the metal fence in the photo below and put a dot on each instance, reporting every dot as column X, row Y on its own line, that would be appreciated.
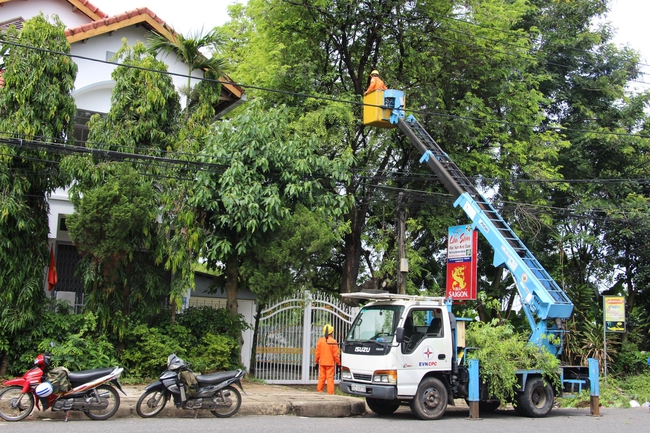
column 288, row 332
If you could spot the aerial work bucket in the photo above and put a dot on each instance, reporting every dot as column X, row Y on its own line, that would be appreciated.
column 380, row 105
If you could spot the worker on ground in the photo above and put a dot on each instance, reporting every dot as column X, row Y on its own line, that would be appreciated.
column 376, row 83
column 327, row 358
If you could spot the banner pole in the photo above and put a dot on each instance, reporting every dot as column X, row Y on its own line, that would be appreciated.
column 604, row 337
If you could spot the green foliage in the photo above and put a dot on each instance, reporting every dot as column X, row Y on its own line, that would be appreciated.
column 614, row 392
column 114, row 225
column 214, row 353
column 637, row 387
column 270, row 170
column 191, row 50
column 83, row 349
column 111, row 225
column 629, row 361
column 147, row 349
column 501, row 352
column 35, row 104
column 201, row 321
column 291, row 256
column 208, row 338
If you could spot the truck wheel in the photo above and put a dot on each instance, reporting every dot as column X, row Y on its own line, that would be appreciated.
column 382, row 407
column 537, row 399
column 430, row 401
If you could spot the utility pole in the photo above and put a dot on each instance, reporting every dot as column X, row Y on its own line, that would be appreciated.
column 402, row 262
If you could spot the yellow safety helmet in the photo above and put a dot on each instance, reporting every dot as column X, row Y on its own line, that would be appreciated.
column 328, row 329
column 374, row 72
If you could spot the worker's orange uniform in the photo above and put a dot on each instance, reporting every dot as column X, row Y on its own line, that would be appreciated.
column 376, row 83
column 327, row 358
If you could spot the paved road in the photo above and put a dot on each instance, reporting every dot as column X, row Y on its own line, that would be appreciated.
column 559, row 421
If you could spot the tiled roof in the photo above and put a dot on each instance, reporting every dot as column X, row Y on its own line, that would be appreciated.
column 88, row 8
column 142, row 16
column 102, row 23
column 17, row 22
column 109, row 24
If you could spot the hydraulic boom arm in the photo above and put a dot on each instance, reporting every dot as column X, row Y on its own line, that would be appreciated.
column 544, row 302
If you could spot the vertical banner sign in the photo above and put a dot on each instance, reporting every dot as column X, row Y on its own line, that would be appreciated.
column 614, row 310
column 461, row 263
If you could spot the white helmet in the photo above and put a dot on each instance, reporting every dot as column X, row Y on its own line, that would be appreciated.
column 44, row 389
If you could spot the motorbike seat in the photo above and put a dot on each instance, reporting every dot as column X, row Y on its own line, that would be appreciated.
column 84, row 376
column 214, row 378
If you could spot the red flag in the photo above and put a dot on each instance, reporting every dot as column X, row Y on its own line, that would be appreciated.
column 52, row 276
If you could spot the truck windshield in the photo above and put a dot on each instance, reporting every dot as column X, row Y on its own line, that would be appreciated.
column 376, row 323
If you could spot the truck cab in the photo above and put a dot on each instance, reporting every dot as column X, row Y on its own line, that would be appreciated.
column 396, row 344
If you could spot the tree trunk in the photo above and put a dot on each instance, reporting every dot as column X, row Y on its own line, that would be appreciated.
column 352, row 250
column 232, row 277
column 256, row 328
column 4, row 365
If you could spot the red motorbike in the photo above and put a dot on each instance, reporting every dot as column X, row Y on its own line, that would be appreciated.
column 91, row 392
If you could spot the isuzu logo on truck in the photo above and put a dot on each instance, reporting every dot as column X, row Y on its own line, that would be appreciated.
column 362, row 349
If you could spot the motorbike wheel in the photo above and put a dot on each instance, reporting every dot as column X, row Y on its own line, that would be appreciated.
column 150, row 403
column 105, row 393
column 229, row 400
column 14, row 405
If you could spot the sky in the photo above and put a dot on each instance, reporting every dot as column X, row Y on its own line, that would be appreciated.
column 629, row 17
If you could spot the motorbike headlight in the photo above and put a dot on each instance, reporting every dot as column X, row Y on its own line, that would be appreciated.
column 174, row 362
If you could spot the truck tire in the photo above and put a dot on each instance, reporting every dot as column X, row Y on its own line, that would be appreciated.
column 382, row 407
column 430, row 401
column 537, row 399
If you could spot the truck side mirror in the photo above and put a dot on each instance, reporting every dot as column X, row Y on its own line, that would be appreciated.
column 399, row 334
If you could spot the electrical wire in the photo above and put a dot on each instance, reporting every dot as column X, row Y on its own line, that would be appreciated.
column 557, row 128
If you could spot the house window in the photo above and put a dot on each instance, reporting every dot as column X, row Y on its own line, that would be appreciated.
column 81, row 119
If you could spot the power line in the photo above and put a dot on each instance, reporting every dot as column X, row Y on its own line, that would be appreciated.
column 557, row 128
column 514, row 34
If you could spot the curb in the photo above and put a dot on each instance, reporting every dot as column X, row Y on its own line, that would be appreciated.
column 297, row 405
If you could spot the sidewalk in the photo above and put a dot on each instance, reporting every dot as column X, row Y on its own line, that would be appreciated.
column 257, row 399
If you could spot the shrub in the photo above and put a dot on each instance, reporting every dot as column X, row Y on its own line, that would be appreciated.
column 148, row 348
column 207, row 320
column 501, row 352
column 629, row 360
column 214, row 353
column 84, row 349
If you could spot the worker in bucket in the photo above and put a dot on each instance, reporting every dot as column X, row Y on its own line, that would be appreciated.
column 327, row 358
column 376, row 83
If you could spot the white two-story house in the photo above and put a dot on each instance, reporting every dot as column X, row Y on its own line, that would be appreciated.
column 93, row 34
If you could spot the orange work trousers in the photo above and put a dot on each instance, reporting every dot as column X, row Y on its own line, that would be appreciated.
column 325, row 373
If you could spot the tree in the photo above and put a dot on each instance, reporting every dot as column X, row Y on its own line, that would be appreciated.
column 116, row 204
column 188, row 49
column 467, row 65
column 112, row 224
column 521, row 95
column 267, row 171
column 36, row 106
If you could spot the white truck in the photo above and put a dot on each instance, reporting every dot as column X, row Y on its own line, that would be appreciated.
column 410, row 350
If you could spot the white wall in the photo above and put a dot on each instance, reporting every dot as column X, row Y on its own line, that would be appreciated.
column 247, row 309
column 31, row 8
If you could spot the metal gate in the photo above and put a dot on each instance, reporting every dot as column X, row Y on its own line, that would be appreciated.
column 288, row 332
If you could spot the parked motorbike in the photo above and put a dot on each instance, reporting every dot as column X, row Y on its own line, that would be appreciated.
column 215, row 391
column 92, row 392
